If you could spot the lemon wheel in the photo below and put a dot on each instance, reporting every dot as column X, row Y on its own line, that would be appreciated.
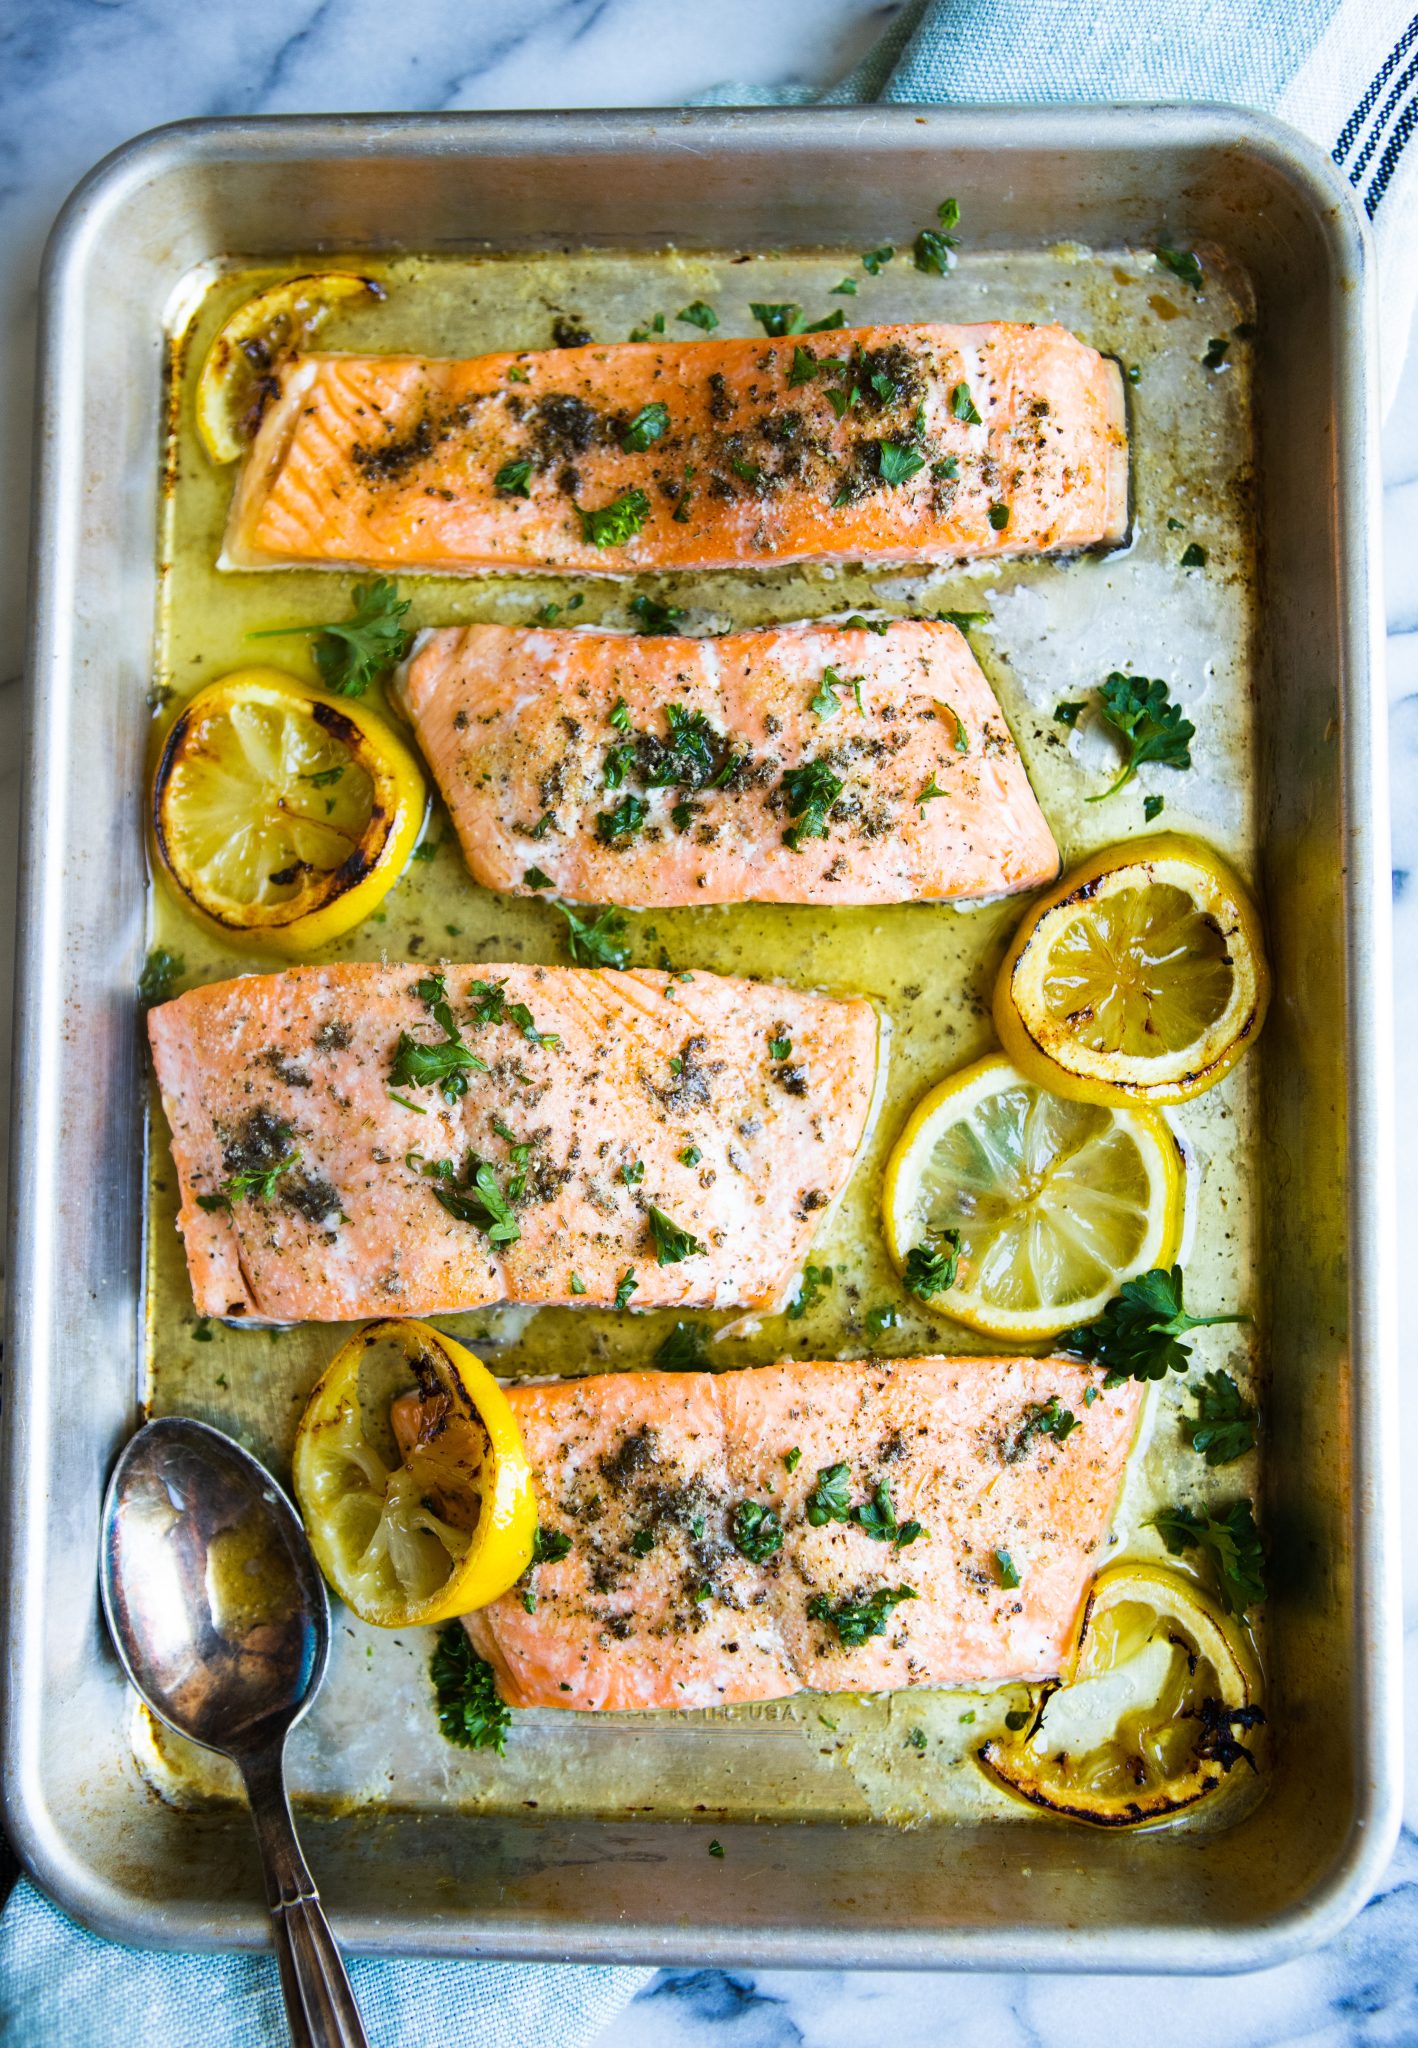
column 239, row 373
column 1154, row 1713
column 1053, row 1203
column 413, row 1479
column 280, row 816
column 1141, row 976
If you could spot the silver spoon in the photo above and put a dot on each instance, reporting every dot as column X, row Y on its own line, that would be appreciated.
column 218, row 1611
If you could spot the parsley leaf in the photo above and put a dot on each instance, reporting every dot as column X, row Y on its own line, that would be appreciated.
column 533, row 878
column 697, row 314
column 625, row 1287
column 855, row 1621
column 815, row 1280
column 1193, row 556
column 777, row 320
column 1006, row 1570
column 873, row 260
column 1229, row 1540
column 472, row 1196
column 933, row 251
column 1225, row 1425
column 671, row 1243
column 614, row 828
column 256, row 1182
column 160, row 972
column 684, row 1349
column 964, row 622
column 847, row 289
column 446, row 1065
column 896, row 463
column 876, row 1517
column 803, row 368
column 962, row 405
column 616, row 524
column 811, row 789
column 825, row 703
column 757, row 1531
column 1216, row 352
column 1152, row 807
column 512, row 479
column 654, row 617
column 549, row 1546
column 469, row 1710
column 648, row 425
column 1137, row 1335
column 857, row 623
column 1043, row 1418
column 1067, row 712
column 1151, row 726
column 792, row 1459
column 998, row 517
column 930, row 1268
column 830, row 1498
column 928, row 791
column 350, row 654
column 600, row 942
column 1182, row 263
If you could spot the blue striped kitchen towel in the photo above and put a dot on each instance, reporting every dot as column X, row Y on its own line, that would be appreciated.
column 1344, row 72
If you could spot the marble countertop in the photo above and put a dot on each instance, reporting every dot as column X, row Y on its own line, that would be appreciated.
column 80, row 78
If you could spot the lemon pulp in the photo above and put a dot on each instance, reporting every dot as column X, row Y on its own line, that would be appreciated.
column 1053, row 1202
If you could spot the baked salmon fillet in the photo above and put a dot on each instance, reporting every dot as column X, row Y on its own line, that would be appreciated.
column 804, row 764
column 939, row 1525
column 360, row 1140
column 898, row 443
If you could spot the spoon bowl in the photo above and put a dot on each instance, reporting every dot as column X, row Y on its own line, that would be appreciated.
column 219, row 1615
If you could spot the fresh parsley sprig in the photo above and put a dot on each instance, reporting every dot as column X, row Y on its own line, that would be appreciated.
column 934, row 248
column 756, row 1530
column 257, row 1183
column 470, row 1712
column 931, row 1265
column 1224, row 1427
column 352, row 653
column 1151, row 726
column 595, row 942
column 855, row 1621
column 672, row 1244
column 1229, row 1540
column 1138, row 1336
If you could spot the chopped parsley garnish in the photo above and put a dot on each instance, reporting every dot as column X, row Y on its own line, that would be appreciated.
column 756, row 1530
column 625, row 1287
column 1225, row 1424
column 1150, row 724
column 896, row 463
column 1137, row 1336
column 815, row 1280
column 645, row 429
column 1043, row 1418
column 620, row 715
column 255, row 1183
column 160, row 973
column 690, row 1156
column 836, row 318
column 654, row 617
column 633, row 1173
column 350, row 654
column 826, row 701
column 930, row 1267
column 847, row 289
column 964, row 622
column 642, row 1542
column 1193, row 556
column 657, row 326
column 469, row 1710
column 1152, row 807
column 803, row 368
column 749, row 471
column 928, row 791
column 549, row 1546
column 876, row 1517
column 445, row 1066
column 778, row 320
column 779, row 1048
column 811, row 789
column 684, row 1349
column 962, row 405
column 1068, row 712
column 917, row 1740
column 855, row 1621
column 616, row 524
column 830, row 1498
column 578, row 1285
column 533, row 878
column 933, row 250
column 512, row 479
column 874, row 260
column 1182, row 263
column 1006, row 1571
column 1216, row 352
column 614, row 828
column 671, row 1243
column 472, row 1195
column 879, row 1321
column 792, row 1459
column 1229, row 1540
column 858, row 623
column 597, row 943
column 998, row 516
column 716, row 1848
column 697, row 314
column 426, row 849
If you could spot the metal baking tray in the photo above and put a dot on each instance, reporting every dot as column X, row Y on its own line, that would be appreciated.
column 545, row 1884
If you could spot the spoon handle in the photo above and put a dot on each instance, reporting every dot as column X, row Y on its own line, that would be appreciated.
column 320, row 2006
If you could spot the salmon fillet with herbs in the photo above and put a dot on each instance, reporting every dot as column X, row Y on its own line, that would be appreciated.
column 803, row 764
column 830, row 1527
column 881, row 444
column 379, row 1141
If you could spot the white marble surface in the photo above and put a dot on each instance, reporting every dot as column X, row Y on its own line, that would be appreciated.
column 78, row 77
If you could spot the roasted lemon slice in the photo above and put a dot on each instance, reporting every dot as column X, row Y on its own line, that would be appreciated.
column 413, row 1479
column 239, row 374
column 1052, row 1203
column 281, row 816
column 1152, row 1714
column 1140, row 976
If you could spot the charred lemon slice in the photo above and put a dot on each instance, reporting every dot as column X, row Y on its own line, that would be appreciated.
column 1044, row 1205
column 413, row 1479
column 239, row 375
column 1142, row 975
column 1152, row 1714
column 282, row 817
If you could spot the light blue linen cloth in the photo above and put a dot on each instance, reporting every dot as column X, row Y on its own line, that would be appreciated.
column 1345, row 72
